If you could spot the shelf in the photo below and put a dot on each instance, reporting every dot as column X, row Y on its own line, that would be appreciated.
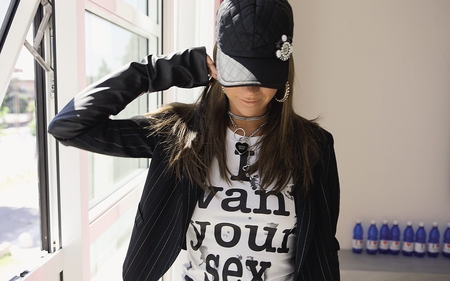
column 392, row 267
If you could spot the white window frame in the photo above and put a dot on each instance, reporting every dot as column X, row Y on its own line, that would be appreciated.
column 15, row 40
column 90, row 224
column 80, row 226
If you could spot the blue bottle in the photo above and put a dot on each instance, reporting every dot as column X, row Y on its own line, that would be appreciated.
column 394, row 243
column 357, row 245
column 433, row 241
column 383, row 246
column 446, row 249
column 408, row 240
column 372, row 239
column 420, row 244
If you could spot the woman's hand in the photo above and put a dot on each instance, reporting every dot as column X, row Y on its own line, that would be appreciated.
column 211, row 67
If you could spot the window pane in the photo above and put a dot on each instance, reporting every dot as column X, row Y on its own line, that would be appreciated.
column 4, row 4
column 140, row 5
column 20, row 236
column 108, row 251
column 5, row 16
column 147, row 7
column 108, row 47
column 153, row 10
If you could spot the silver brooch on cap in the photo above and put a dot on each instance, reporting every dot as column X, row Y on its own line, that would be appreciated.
column 284, row 48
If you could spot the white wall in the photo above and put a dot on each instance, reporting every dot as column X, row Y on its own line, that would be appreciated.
column 377, row 72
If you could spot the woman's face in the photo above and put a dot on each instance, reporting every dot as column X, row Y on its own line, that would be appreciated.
column 249, row 100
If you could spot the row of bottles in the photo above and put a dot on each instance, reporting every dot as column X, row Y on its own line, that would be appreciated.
column 388, row 240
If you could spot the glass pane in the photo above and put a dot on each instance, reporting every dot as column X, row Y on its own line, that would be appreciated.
column 20, row 234
column 140, row 5
column 4, row 5
column 108, row 47
column 153, row 10
column 108, row 251
column 147, row 7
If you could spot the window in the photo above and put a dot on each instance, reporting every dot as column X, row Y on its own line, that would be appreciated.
column 7, row 11
column 20, row 223
column 108, row 47
column 26, row 234
column 109, row 249
column 115, row 184
column 3, row 10
column 83, row 204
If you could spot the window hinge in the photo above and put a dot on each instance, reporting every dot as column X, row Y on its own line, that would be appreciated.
column 43, row 25
column 39, row 36
column 38, row 57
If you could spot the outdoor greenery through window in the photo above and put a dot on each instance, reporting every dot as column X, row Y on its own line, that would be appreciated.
column 20, row 236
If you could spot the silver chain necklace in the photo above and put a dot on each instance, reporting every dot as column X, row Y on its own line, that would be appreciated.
column 243, row 118
column 245, row 138
column 242, row 145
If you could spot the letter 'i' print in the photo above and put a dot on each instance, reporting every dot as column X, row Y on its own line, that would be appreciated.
column 242, row 174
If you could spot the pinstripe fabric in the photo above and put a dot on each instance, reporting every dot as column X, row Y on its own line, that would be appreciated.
column 319, row 259
column 166, row 206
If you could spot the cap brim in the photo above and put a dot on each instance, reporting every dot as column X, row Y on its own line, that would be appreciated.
column 235, row 71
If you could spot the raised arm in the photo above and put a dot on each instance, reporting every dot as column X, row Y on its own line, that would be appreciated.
column 110, row 95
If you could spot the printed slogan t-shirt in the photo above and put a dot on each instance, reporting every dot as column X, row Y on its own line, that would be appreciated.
column 242, row 232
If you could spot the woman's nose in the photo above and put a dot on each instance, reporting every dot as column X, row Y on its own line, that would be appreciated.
column 253, row 89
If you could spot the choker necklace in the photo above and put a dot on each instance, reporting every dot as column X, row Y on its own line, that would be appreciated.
column 242, row 118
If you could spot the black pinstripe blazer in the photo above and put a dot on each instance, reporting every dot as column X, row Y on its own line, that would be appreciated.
column 167, row 204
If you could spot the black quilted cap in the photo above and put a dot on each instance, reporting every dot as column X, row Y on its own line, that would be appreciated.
column 254, row 42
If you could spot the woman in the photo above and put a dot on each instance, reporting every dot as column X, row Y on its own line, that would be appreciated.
column 247, row 187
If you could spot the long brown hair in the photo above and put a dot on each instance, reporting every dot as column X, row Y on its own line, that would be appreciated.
column 196, row 133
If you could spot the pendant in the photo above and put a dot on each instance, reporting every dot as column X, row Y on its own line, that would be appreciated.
column 241, row 147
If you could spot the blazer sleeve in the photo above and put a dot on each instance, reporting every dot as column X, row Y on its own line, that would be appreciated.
column 327, row 204
column 332, row 189
column 322, row 263
column 85, row 121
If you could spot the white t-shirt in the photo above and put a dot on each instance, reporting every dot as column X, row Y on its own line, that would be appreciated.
column 241, row 233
